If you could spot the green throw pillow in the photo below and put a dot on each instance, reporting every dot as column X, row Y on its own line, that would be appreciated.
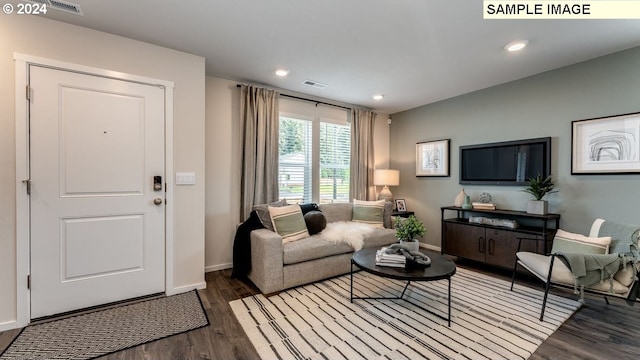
column 368, row 212
column 288, row 222
column 569, row 242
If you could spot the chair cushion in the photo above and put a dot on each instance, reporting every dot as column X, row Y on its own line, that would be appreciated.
column 288, row 222
column 570, row 242
column 369, row 212
column 539, row 264
column 626, row 275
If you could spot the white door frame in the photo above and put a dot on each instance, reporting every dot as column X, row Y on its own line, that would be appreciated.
column 22, row 62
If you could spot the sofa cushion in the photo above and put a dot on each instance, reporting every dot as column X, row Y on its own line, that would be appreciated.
column 570, row 242
column 539, row 265
column 312, row 248
column 316, row 222
column 288, row 222
column 368, row 212
column 337, row 211
column 262, row 210
column 380, row 238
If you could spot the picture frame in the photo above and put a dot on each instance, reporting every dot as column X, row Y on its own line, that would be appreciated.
column 401, row 205
column 606, row 145
column 432, row 158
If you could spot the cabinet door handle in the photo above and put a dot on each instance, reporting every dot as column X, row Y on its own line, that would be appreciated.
column 491, row 246
column 481, row 244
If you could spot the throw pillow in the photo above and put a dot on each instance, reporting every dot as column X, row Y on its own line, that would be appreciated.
column 368, row 212
column 262, row 211
column 309, row 207
column 386, row 215
column 288, row 222
column 570, row 242
column 316, row 222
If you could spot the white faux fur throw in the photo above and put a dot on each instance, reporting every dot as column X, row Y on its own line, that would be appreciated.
column 348, row 232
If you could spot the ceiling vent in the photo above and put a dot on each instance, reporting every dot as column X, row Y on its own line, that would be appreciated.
column 61, row 5
column 315, row 84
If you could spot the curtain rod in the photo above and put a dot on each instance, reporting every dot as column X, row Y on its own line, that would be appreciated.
column 310, row 100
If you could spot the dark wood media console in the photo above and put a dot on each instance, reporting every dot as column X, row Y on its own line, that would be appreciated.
column 495, row 245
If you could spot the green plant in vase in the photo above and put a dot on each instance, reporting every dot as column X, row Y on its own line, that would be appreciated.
column 539, row 187
column 408, row 230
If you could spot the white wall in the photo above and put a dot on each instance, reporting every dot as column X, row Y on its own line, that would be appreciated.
column 224, row 163
column 37, row 36
column 538, row 106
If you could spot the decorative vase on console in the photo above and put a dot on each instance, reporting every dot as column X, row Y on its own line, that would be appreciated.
column 459, row 199
column 467, row 203
column 539, row 187
column 408, row 230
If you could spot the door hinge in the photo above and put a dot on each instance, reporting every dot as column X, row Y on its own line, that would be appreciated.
column 28, row 94
column 28, row 281
column 28, row 183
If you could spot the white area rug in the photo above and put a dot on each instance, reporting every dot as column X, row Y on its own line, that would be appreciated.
column 317, row 321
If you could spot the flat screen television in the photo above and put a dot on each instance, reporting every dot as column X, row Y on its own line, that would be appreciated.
column 505, row 163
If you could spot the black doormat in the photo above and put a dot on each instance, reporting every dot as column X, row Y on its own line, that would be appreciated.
column 106, row 331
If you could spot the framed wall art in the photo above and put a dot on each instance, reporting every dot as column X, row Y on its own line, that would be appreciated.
column 607, row 145
column 432, row 158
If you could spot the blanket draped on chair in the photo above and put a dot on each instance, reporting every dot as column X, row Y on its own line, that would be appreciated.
column 625, row 242
column 590, row 269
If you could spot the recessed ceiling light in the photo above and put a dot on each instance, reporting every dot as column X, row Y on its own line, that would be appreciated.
column 281, row 72
column 516, row 45
column 378, row 97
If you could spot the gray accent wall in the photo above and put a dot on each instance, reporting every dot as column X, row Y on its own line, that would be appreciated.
column 538, row 106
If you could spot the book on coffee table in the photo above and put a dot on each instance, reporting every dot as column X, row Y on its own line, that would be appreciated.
column 392, row 260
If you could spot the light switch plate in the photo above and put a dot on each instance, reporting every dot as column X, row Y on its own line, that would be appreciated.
column 185, row 178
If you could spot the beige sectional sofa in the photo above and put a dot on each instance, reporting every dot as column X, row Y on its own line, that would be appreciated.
column 276, row 266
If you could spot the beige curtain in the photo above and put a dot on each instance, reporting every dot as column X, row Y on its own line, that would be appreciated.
column 362, row 161
column 260, row 117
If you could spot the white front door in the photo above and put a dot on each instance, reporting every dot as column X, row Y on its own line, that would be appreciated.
column 97, row 222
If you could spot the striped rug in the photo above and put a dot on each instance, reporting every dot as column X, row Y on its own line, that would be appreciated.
column 317, row 321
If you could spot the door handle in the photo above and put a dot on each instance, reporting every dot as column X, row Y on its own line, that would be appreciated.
column 481, row 244
column 157, row 201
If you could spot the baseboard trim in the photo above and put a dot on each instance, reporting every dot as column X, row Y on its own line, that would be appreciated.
column 218, row 267
column 8, row 325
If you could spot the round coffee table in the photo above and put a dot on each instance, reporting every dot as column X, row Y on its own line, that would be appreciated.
column 440, row 268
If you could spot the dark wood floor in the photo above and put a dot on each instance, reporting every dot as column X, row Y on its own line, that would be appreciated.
column 596, row 331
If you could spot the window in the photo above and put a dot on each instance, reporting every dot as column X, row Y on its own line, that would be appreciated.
column 314, row 153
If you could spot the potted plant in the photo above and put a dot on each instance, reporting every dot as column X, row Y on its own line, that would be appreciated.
column 539, row 187
column 408, row 230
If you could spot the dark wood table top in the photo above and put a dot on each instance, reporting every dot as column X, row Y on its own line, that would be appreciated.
column 440, row 268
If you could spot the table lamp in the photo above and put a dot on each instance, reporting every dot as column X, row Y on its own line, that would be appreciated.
column 386, row 178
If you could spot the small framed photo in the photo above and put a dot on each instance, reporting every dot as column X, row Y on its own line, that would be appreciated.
column 432, row 158
column 401, row 205
column 607, row 145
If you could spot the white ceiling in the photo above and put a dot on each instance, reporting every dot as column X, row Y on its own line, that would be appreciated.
column 415, row 52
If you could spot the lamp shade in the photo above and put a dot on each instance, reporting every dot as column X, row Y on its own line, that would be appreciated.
column 386, row 177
